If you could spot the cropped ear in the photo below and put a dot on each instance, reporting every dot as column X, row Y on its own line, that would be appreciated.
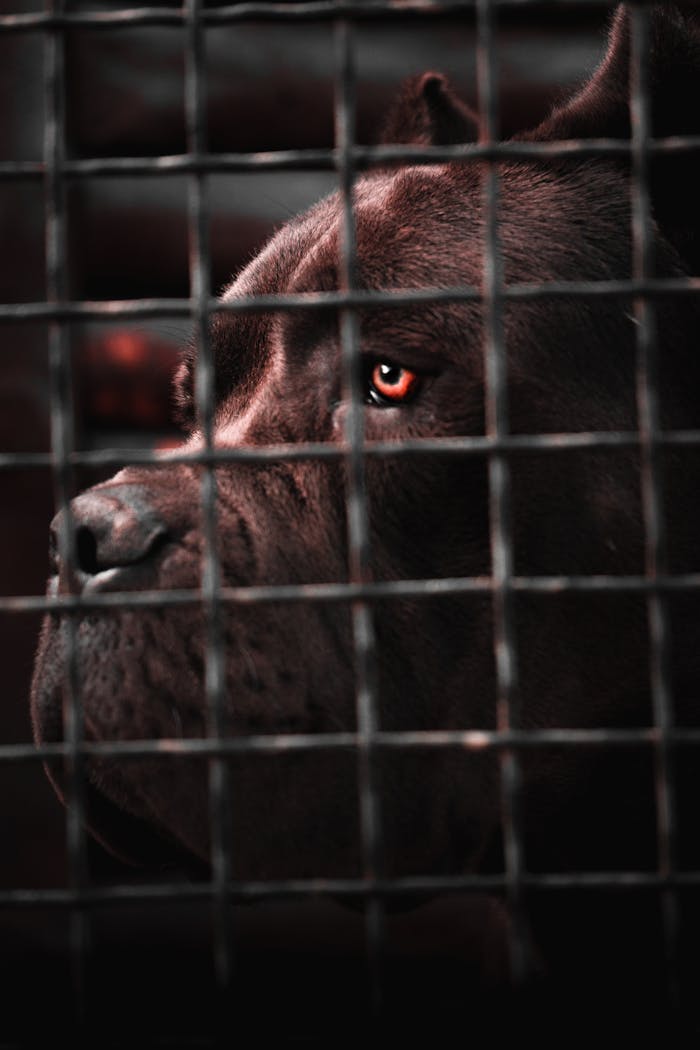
column 427, row 112
column 601, row 108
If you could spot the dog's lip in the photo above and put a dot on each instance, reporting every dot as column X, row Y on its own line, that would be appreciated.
column 126, row 837
column 132, row 840
column 138, row 576
column 116, row 578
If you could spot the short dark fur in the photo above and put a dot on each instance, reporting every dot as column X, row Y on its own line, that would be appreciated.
column 582, row 658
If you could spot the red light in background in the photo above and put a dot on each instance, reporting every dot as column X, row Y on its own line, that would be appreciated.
column 123, row 380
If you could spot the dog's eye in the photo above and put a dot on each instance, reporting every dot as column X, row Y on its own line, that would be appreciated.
column 392, row 385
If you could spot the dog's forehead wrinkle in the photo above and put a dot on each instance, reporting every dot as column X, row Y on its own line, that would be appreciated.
column 271, row 266
column 432, row 223
column 317, row 270
column 379, row 201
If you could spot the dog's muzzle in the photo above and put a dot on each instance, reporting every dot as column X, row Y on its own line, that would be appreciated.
column 117, row 534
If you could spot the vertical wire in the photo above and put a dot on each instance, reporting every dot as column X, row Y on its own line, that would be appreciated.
column 652, row 483
column 496, row 411
column 357, row 513
column 215, row 677
column 62, row 442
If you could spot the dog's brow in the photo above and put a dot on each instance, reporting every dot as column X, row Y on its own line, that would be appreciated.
column 299, row 332
column 237, row 343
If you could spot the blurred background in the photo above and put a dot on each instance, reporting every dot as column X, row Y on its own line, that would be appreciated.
column 269, row 86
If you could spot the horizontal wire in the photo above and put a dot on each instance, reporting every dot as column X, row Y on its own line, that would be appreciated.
column 339, row 888
column 474, row 445
column 121, row 309
column 363, row 157
column 316, row 10
column 350, row 592
column 388, row 740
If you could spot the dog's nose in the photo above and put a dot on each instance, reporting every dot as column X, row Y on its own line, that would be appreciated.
column 115, row 527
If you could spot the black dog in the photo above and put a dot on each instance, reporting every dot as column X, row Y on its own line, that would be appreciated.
column 582, row 657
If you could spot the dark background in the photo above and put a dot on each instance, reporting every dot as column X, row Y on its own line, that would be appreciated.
column 269, row 87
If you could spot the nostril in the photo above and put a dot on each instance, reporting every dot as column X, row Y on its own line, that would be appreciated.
column 86, row 551
column 114, row 527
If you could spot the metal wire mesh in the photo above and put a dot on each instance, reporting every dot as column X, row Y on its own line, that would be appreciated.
column 497, row 445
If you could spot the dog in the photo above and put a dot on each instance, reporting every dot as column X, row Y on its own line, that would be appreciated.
column 582, row 657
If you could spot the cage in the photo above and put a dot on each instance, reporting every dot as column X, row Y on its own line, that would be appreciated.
column 149, row 153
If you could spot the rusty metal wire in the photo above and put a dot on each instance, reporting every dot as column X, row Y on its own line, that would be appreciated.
column 263, row 10
column 497, row 446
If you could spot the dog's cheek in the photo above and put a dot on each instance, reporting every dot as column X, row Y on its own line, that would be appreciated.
column 296, row 815
column 140, row 674
column 276, row 820
column 428, row 517
column 137, row 675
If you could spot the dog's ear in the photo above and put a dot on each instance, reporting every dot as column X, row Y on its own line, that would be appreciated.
column 601, row 109
column 427, row 112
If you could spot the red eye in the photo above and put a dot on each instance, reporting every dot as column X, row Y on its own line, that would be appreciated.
column 392, row 385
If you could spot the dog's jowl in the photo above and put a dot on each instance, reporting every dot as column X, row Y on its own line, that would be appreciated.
column 582, row 655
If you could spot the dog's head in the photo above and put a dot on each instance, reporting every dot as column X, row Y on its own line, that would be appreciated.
column 290, row 666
